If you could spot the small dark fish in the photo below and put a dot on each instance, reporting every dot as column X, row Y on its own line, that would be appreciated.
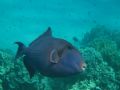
column 75, row 39
column 52, row 57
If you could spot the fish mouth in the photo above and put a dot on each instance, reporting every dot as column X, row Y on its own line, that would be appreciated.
column 83, row 66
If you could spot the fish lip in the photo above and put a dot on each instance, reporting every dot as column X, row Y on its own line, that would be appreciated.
column 83, row 67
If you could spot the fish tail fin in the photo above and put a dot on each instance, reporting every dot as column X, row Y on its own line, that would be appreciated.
column 21, row 49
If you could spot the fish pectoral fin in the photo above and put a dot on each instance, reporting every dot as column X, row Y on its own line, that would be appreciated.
column 54, row 57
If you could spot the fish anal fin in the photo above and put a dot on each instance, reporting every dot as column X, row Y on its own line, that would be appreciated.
column 30, row 69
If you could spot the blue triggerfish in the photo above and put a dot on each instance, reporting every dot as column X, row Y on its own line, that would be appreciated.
column 52, row 57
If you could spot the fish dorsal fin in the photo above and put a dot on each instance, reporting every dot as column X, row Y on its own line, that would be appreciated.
column 48, row 33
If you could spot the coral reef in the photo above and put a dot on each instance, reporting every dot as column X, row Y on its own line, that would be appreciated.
column 1, row 88
column 99, row 75
column 13, row 76
column 109, row 50
column 85, row 85
column 101, row 52
column 99, row 71
column 107, row 42
column 103, row 33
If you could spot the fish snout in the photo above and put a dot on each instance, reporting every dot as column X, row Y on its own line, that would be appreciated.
column 83, row 66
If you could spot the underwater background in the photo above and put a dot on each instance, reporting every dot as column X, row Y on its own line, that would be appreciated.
column 90, row 25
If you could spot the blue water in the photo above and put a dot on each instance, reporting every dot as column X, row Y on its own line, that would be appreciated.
column 23, row 20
